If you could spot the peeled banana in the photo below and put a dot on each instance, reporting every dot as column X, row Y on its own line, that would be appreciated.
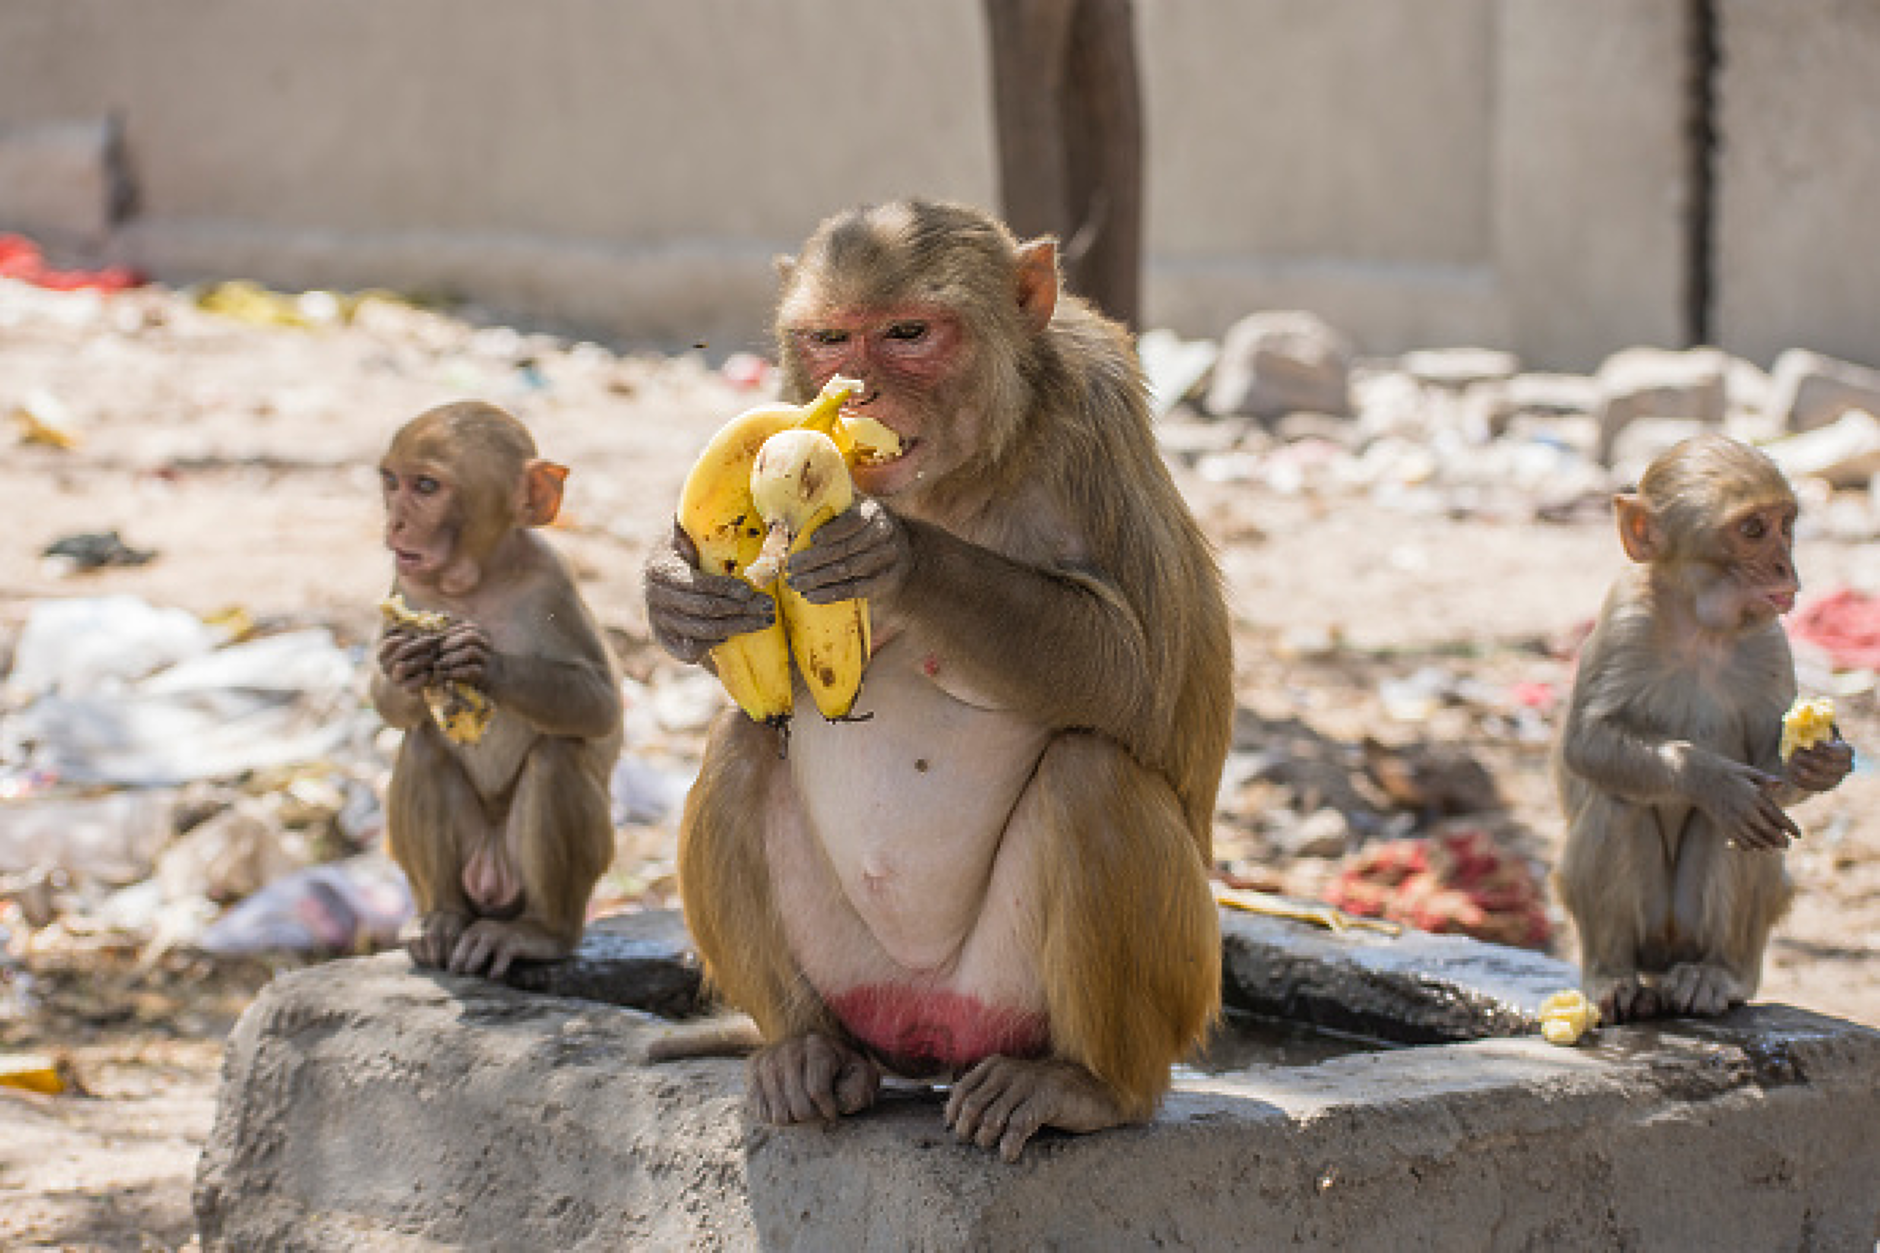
column 717, row 511
column 798, row 482
column 461, row 712
column 1806, row 724
column 1566, row 1016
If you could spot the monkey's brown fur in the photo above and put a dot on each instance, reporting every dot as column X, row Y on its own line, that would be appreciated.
column 1668, row 764
column 1056, row 566
column 502, row 839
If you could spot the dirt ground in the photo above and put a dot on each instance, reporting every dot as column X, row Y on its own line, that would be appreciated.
column 241, row 455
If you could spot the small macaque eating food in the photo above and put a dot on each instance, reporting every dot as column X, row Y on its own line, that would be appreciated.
column 496, row 671
column 1676, row 762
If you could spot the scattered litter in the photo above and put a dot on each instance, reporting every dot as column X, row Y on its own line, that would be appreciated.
column 1844, row 624
column 112, row 837
column 93, row 551
column 269, row 702
column 345, row 906
column 42, row 419
column 1459, row 881
column 20, row 258
column 645, row 792
column 83, row 645
column 33, row 1072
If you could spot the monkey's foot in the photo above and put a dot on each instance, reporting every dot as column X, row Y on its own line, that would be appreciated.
column 1626, row 999
column 811, row 1078
column 1003, row 1101
column 489, row 947
column 437, row 936
column 1699, row 990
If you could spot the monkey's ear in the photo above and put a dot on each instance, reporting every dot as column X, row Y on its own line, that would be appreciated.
column 1639, row 531
column 1038, row 280
column 541, row 492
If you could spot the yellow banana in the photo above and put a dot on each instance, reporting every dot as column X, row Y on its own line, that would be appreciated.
column 716, row 511
column 798, row 482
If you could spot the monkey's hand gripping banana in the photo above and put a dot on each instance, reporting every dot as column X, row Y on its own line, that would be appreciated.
column 461, row 712
column 719, row 514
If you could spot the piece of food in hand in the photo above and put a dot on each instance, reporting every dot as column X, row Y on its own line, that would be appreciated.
column 1806, row 724
column 461, row 712
column 1566, row 1016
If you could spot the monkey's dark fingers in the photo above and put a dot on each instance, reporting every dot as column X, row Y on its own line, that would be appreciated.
column 1821, row 767
column 407, row 660
column 688, row 624
column 794, row 1080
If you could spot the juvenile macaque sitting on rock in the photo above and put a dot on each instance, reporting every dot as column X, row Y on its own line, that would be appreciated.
column 508, row 696
column 1669, row 764
column 995, row 875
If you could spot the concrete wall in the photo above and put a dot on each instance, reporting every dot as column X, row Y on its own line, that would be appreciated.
column 1513, row 173
column 1798, row 208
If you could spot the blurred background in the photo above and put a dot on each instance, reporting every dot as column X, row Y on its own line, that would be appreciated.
column 1556, row 179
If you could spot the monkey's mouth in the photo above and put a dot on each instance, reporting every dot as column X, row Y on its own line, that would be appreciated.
column 406, row 560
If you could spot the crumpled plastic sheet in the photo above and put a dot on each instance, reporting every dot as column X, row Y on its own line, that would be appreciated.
column 271, row 702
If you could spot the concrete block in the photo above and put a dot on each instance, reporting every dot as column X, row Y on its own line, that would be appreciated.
column 1809, row 389
column 369, row 1106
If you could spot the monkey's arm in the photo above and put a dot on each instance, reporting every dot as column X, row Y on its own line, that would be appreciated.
column 1604, row 746
column 567, row 690
column 1060, row 644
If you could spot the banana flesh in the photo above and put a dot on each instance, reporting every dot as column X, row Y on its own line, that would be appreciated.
column 799, row 482
column 461, row 712
column 718, row 513
column 1806, row 724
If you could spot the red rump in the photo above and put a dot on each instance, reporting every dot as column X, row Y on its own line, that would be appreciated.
column 918, row 1031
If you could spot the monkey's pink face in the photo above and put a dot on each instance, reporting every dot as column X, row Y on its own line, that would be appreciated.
column 1757, row 544
column 421, row 523
column 909, row 359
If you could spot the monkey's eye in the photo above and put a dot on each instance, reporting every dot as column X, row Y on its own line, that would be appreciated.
column 388, row 481
column 907, row 330
column 425, row 485
column 827, row 338
column 1753, row 528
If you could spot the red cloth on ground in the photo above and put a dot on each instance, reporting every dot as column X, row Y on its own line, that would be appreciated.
column 1458, row 882
column 21, row 259
column 1843, row 623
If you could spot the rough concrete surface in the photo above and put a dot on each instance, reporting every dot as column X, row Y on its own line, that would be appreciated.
column 368, row 1106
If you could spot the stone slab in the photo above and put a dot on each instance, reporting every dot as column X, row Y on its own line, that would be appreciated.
column 370, row 1106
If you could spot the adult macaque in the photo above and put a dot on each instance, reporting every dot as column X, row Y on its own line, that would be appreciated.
column 1668, row 764
column 501, row 834
column 999, row 877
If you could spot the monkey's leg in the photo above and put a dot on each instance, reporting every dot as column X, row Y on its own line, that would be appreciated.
column 1127, row 944
column 808, row 1070
column 724, row 879
column 432, row 815
column 557, row 841
column 1726, row 901
column 1614, row 882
